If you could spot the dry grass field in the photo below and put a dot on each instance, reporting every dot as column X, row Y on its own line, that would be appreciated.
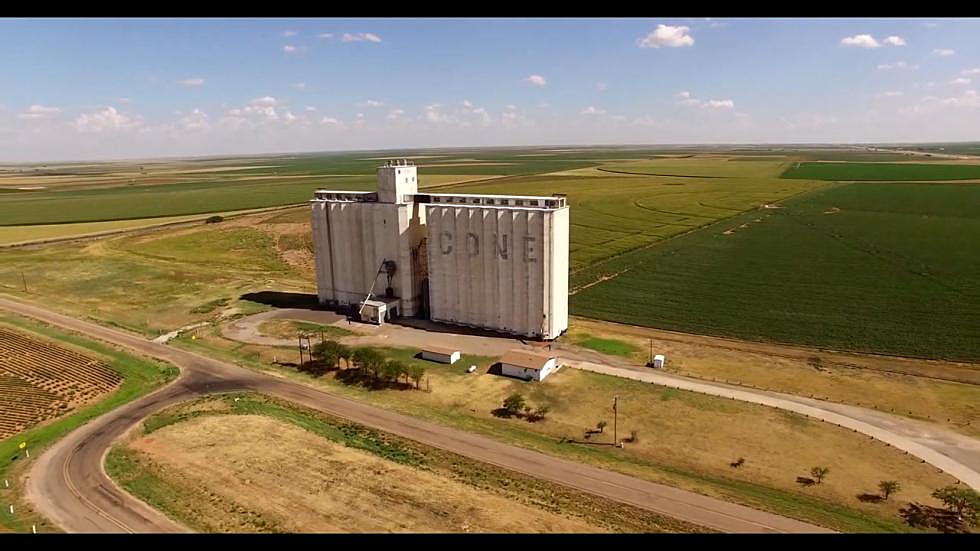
column 945, row 393
column 679, row 441
column 254, row 465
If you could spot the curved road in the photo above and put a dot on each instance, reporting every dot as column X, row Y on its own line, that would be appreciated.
column 67, row 483
column 952, row 452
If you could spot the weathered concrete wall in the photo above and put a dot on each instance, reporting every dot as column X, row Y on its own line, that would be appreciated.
column 503, row 268
column 352, row 239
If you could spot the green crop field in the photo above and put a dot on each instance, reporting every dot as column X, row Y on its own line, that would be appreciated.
column 613, row 212
column 890, row 268
column 891, row 172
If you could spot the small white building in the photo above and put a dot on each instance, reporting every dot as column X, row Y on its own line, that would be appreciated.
column 440, row 354
column 527, row 365
column 658, row 361
column 373, row 311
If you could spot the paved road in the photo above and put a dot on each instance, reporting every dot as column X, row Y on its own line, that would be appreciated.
column 957, row 454
column 68, row 484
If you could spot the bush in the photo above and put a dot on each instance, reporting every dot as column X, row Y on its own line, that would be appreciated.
column 514, row 403
column 214, row 219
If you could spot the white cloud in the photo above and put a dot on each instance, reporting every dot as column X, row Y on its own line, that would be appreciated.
column 467, row 104
column 124, row 101
column 718, row 104
column 288, row 48
column 960, row 80
column 536, row 80
column 394, row 114
column 309, row 108
column 685, row 98
column 325, row 35
column 298, row 85
column 358, row 37
column 666, row 35
column 265, row 101
column 970, row 71
column 930, row 25
column 371, row 103
column 861, row 41
column 510, row 107
column 196, row 120
column 931, row 104
column 943, row 51
column 868, row 41
column 191, row 82
column 601, row 86
column 433, row 113
column 330, row 121
column 289, row 117
column 897, row 65
column 590, row 110
column 289, row 33
column 892, row 94
column 38, row 111
column 106, row 119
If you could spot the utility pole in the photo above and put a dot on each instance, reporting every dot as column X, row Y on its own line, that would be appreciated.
column 616, row 421
column 24, row 279
column 300, row 337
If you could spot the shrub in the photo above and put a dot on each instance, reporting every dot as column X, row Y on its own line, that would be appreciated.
column 214, row 219
column 514, row 403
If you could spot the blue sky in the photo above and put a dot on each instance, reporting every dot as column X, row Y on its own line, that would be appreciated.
column 75, row 89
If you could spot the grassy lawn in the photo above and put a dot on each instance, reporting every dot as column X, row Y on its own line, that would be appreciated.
column 408, row 486
column 140, row 377
column 288, row 329
column 678, row 441
column 615, row 347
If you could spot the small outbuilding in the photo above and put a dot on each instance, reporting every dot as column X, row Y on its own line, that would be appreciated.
column 528, row 365
column 658, row 361
column 440, row 354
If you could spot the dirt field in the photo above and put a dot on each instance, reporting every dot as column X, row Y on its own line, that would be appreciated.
column 40, row 380
column 246, row 473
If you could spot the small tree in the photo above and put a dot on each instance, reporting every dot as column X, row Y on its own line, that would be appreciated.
column 514, row 403
column 416, row 372
column 818, row 473
column 601, row 425
column 343, row 352
column 965, row 502
column 329, row 352
column 888, row 487
column 369, row 360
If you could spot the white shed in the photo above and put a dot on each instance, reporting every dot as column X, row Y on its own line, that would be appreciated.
column 527, row 365
column 658, row 360
column 373, row 311
column 440, row 354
